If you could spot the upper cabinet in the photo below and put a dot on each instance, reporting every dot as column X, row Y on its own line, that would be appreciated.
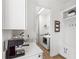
column 13, row 14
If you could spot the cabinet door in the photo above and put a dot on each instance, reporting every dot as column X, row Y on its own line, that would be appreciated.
column 13, row 14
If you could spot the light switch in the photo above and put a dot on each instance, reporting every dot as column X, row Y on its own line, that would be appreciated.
column 57, row 26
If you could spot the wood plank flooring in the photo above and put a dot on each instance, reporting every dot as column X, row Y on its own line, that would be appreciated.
column 46, row 54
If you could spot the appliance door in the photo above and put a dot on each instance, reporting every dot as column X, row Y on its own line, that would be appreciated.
column 46, row 42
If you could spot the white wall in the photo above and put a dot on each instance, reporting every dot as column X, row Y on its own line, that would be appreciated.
column 31, row 20
column 6, row 34
column 17, row 32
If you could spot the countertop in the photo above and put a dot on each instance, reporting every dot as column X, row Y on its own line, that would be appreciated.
column 30, row 50
column 46, row 35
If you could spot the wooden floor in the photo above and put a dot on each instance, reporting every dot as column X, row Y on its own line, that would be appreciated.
column 46, row 54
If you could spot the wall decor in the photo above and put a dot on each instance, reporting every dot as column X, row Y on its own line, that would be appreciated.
column 57, row 26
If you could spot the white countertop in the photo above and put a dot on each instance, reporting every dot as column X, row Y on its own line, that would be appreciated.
column 48, row 36
column 30, row 50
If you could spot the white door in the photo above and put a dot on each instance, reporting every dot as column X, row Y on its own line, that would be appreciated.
column 69, row 42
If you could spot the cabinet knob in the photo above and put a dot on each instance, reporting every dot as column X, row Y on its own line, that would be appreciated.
column 39, row 56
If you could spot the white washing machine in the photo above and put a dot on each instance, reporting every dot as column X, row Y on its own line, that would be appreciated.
column 46, row 41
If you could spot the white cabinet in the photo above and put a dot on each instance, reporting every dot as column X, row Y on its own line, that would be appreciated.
column 13, row 14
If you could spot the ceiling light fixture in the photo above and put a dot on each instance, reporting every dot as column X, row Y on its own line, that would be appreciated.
column 41, row 10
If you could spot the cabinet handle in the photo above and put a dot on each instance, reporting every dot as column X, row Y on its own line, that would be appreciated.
column 39, row 56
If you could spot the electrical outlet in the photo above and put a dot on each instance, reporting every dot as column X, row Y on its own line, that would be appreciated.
column 65, row 50
column 28, row 35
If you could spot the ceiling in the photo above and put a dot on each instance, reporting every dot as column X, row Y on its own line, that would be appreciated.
column 54, row 3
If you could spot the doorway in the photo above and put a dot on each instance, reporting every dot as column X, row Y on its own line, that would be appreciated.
column 44, row 29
